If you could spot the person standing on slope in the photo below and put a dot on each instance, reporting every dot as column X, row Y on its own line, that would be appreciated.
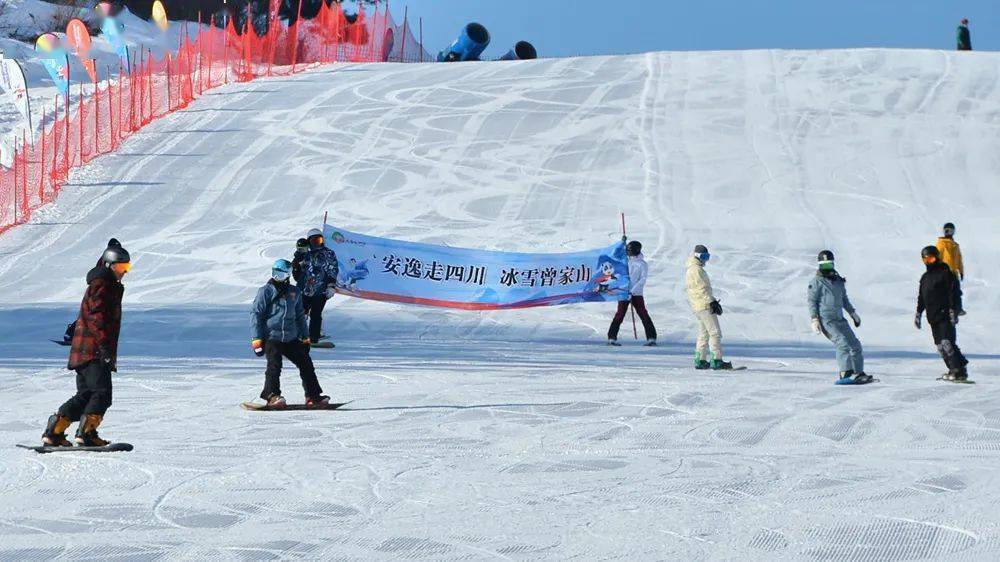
column 278, row 329
column 94, row 352
column 940, row 296
column 301, row 251
column 707, row 310
column 951, row 254
column 638, row 271
column 319, row 275
column 963, row 36
column 828, row 300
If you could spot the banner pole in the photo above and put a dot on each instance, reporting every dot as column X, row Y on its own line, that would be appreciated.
column 325, row 213
column 635, row 331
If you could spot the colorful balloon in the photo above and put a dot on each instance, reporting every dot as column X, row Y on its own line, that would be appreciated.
column 160, row 16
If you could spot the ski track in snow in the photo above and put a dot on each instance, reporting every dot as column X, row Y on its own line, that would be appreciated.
column 518, row 435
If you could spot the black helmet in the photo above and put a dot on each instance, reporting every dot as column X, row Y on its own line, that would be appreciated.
column 930, row 252
column 825, row 260
column 633, row 248
column 301, row 244
column 115, row 254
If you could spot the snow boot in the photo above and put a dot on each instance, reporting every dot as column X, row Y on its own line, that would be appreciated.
column 321, row 401
column 651, row 342
column 702, row 365
column 613, row 343
column 55, row 431
column 863, row 378
column 720, row 365
column 86, row 434
column 276, row 401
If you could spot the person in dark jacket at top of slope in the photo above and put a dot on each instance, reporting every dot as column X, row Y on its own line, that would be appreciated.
column 301, row 251
column 278, row 329
column 94, row 352
column 940, row 297
column 827, row 298
column 963, row 36
column 319, row 281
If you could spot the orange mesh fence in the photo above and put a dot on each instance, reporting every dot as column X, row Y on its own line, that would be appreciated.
column 73, row 134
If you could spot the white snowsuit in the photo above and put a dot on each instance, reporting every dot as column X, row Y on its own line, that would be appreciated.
column 699, row 292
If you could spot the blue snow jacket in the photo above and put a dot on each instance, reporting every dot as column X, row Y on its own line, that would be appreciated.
column 277, row 314
column 828, row 297
column 319, row 270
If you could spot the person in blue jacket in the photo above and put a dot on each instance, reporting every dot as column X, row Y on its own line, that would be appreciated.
column 278, row 329
column 318, row 281
column 827, row 303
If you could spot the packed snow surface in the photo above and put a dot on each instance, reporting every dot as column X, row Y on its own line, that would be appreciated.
column 518, row 434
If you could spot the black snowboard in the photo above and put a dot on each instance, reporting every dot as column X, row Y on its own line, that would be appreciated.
column 112, row 448
column 254, row 407
column 62, row 342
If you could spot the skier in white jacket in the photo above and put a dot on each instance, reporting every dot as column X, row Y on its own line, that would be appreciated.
column 637, row 273
column 706, row 310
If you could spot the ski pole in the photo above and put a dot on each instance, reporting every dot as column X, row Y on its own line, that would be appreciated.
column 635, row 331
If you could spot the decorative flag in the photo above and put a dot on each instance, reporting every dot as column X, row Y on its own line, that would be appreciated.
column 113, row 31
column 55, row 60
column 78, row 38
column 382, row 269
column 13, row 87
column 160, row 16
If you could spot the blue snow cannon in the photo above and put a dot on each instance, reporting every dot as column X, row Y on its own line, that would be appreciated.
column 522, row 51
column 469, row 45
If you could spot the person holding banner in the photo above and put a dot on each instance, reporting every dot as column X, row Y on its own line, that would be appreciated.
column 319, row 269
column 638, row 270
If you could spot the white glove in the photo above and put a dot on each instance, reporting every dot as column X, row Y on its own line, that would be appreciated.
column 817, row 327
column 330, row 291
column 857, row 319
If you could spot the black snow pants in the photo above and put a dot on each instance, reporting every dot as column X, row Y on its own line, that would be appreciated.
column 639, row 304
column 945, row 337
column 93, row 392
column 296, row 353
column 314, row 308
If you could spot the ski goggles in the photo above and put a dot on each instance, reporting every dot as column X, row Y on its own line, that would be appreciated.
column 121, row 269
column 319, row 240
column 704, row 256
column 826, row 265
column 928, row 260
column 280, row 275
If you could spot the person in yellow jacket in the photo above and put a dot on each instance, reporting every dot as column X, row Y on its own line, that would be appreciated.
column 706, row 310
column 951, row 253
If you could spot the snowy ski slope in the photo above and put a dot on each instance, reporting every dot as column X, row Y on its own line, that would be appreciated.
column 518, row 435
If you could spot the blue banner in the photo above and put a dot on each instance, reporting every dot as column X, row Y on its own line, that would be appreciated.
column 113, row 31
column 56, row 63
column 395, row 271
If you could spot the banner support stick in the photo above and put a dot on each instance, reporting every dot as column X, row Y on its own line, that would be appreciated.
column 635, row 331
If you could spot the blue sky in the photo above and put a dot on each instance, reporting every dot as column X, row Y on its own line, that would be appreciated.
column 584, row 27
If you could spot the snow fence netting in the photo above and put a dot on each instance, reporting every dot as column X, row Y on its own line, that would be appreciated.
column 73, row 134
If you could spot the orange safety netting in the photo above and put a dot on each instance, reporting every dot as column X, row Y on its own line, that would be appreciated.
column 73, row 134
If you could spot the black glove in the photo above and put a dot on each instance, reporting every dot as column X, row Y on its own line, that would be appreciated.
column 953, row 317
column 918, row 320
column 716, row 308
column 306, row 345
column 104, row 356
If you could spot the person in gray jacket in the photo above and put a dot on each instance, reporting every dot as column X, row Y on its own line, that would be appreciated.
column 278, row 329
column 827, row 303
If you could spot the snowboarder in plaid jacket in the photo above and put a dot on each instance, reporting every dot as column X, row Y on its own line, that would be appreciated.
column 94, row 352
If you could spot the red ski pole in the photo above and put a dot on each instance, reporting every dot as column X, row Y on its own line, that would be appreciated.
column 635, row 331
